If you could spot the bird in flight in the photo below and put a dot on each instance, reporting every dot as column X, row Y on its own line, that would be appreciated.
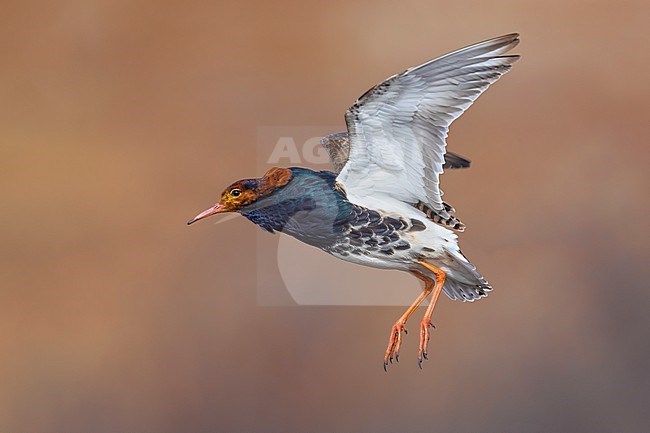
column 383, row 206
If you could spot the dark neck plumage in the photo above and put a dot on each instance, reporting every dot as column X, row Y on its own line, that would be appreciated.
column 308, row 207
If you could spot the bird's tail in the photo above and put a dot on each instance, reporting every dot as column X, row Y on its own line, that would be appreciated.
column 463, row 281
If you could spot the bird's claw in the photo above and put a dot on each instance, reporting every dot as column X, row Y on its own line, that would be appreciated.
column 394, row 344
column 424, row 341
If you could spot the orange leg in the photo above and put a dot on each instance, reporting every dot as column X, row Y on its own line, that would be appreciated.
column 426, row 320
column 395, row 341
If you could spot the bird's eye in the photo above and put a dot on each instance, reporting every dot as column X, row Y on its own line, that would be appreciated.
column 235, row 193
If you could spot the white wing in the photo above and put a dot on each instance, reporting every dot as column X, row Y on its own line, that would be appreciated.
column 398, row 128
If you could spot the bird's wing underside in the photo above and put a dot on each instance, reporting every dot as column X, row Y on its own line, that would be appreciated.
column 397, row 129
column 338, row 148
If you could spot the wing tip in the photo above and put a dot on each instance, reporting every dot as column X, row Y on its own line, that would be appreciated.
column 511, row 37
column 498, row 45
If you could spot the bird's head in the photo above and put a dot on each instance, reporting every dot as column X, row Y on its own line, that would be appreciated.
column 245, row 192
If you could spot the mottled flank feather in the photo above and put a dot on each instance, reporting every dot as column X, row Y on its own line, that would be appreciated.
column 370, row 233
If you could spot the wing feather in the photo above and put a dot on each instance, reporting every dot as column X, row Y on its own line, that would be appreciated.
column 398, row 129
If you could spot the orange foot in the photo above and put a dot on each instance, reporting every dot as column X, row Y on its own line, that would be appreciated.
column 394, row 343
column 424, row 340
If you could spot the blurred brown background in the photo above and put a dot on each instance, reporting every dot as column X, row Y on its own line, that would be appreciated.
column 120, row 120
